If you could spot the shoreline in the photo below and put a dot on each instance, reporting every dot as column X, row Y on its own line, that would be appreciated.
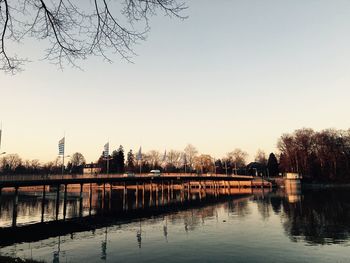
column 7, row 259
column 324, row 185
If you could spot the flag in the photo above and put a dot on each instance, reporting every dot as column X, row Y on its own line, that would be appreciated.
column 139, row 155
column 61, row 146
column 106, row 150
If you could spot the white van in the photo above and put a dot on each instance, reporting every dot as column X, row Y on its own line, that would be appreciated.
column 155, row 173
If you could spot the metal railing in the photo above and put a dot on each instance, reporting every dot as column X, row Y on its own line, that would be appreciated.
column 17, row 178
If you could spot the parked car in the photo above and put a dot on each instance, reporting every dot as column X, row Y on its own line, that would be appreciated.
column 129, row 174
column 155, row 173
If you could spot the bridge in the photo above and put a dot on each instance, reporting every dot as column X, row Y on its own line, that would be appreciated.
column 158, row 188
column 40, row 180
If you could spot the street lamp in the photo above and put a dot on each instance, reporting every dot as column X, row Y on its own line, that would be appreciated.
column 63, row 156
column 108, row 159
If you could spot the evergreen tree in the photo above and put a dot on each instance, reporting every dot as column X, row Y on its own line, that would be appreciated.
column 272, row 165
column 219, row 167
column 130, row 163
column 113, row 163
column 120, row 160
column 102, row 163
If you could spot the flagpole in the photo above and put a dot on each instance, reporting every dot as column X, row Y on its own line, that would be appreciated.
column 108, row 165
column 139, row 157
column 63, row 164
column 64, row 146
column 106, row 156
column 61, row 150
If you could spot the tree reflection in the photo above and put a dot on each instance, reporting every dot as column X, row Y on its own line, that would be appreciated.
column 322, row 217
column 239, row 207
column 165, row 230
column 276, row 204
column 139, row 236
column 104, row 247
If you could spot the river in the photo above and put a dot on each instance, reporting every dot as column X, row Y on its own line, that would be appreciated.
column 248, row 226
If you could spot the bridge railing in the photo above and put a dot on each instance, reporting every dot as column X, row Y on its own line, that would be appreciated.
column 34, row 177
column 11, row 178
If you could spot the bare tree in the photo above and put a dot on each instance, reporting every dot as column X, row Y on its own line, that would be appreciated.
column 237, row 157
column 10, row 162
column 260, row 157
column 191, row 152
column 174, row 158
column 323, row 155
column 154, row 158
column 204, row 163
column 77, row 159
column 77, row 29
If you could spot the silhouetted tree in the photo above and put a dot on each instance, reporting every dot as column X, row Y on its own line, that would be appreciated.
column 323, row 155
column 130, row 163
column 113, row 163
column 121, row 159
column 75, row 30
column 102, row 163
column 117, row 163
column 11, row 163
column 238, row 158
column 191, row 152
column 174, row 162
column 204, row 163
column 152, row 158
column 77, row 163
column 272, row 165
column 220, row 169
column 260, row 157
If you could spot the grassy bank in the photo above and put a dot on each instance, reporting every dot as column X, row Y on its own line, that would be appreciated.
column 4, row 259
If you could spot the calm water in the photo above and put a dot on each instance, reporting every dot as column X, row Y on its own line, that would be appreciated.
column 308, row 226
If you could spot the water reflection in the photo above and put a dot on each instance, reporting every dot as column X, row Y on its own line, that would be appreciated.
column 32, row 205
column 104, row 246
column 283, row 217
column 99, row 206
column 139, row 236
column 320, row 217
column 314, row 216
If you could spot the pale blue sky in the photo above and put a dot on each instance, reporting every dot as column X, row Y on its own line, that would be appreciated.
column 234, row 74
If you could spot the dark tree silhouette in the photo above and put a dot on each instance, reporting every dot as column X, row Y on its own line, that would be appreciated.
column 77, row 163
column 130, row 162
column 78, row 29
column 117, row 162
column 272, row 165
column 102, row 163
column 320, row 156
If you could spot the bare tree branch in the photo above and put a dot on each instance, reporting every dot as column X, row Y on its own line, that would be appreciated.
column 75, row 31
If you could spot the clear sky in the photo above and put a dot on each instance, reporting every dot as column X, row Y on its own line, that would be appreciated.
column 234, row 74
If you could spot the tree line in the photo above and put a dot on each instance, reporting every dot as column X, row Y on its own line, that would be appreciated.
column 319, row 156
column 173, row 161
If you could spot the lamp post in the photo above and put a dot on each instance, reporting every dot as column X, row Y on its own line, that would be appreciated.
column 226, row 167
column 63, row 156
column 107, row 162
column 214, row 166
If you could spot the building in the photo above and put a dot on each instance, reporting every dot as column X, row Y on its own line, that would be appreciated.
column 92, row 168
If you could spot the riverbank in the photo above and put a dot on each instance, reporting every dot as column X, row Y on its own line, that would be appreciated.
column 280, row 183
column 4, row 259
column 324, row 185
